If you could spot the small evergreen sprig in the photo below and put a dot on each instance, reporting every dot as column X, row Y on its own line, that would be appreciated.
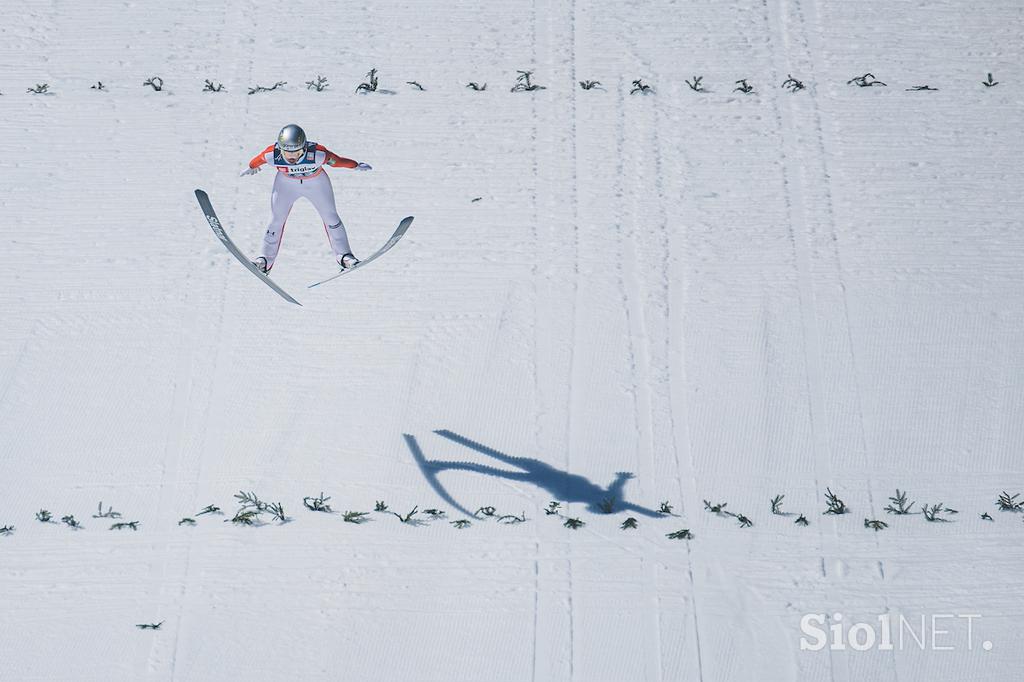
column 187, row 521
column 641, row 87
column 408, row 517
column 589, row 85
column 866, row 81
column 6, row 530
column 665, row 508
column 356, row 517
column 835, row 505
column 523, row 83
column 512, row 518
column 629, row 524
column 900, row 502
column 245, row 517
column 41, row 89
column 434, row 513
column 919, row 88
column 486, row 511
column 1008, row 502
column 156, row 82
column 149, row 626
column 380, row 506
column 777, row 505
column 985, row 516
column 696, row 85
column 109, row 514
column 802, row 521
column 209, row 86
column 277, row 512
column 98, row 86
column 319, row 84
column 716, row 508
column 607, row 505
column 875, row 525
column 70, row 522
column 318, row 504
column 989, row 83
column 415, row 85
column 743, row 86
column 574, row 523
column 461, row 523
column 792, row 84
column 553, row 508
column 472, row 85
column 260, row 88
column 210, row 509
column 134, row 525
column 931, row 513
column 44, row 516
column 371, row 84
column 683, row 534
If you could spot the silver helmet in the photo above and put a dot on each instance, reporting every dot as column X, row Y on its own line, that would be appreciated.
column 291, row 138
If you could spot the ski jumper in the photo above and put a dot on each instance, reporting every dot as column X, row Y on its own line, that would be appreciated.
column 304, row 178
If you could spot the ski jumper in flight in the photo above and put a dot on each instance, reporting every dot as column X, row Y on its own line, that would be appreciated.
column 300, row 173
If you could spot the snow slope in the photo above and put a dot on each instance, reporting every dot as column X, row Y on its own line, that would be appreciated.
column 727, row 296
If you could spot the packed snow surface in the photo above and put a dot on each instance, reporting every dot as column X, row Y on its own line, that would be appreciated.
column 671, row 296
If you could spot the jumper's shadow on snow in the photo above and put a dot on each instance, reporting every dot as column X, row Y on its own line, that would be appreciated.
column 561, row 485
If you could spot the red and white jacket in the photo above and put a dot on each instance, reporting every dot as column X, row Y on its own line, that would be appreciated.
column 309, row 165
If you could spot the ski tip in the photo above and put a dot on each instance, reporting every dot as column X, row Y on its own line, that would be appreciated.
column 200, row 193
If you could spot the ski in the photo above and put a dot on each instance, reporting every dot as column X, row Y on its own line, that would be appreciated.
column 399, row 233
column 218, row 229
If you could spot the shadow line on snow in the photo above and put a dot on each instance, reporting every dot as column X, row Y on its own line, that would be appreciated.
column 561, row 485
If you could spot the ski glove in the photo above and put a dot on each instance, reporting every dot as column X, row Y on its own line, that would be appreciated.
column 364, row 167
column 251, row 171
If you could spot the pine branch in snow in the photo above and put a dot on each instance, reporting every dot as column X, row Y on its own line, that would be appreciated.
column 777, row 504
column 134, row 525
column 486, row 511
column 989, row 83
column 380, row 506
column 319, row 84
column 607, row 505
column 415, row 84
column 523, row 83
column 665, row 508
column 639, row 86
column 628, row 524
column 792, row 84
column 1008, row 502
column 260, row 88
column 209, row 86
column 835, row 505
column 40, row 89
column 476, row 86
column 407, row 517
column 187, row 521
column 553, row 508
column 156, row 82
column 986, row 517
column 109, row 514
column 574, row 523
column 149, row 626
column 683, row 534
column 210, row 509
column 743, row 86
column 512, row 518
column 865, row 81
column 371, row 85
column 900, row 502
column 6, row 530
column 435, row 513
column 460, row 523
column 696, row 85
column 44, row 516
column 802, row 521
column 932, row 513
column 589, row 85
column 317, row 504
column 70, row 522
column 355, row 517
column 876, row 525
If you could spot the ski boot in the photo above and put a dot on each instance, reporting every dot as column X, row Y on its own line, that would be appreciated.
column 261, row 264
column 348, row 261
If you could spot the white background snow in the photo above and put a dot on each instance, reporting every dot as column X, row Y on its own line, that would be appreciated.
column 728, row 296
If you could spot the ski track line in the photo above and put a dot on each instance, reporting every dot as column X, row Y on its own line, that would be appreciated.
column 630, row 287
column 685, row 481
column 825, row 180
column 777, row 33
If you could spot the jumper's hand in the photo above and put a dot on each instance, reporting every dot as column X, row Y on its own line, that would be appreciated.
column 363, row 167
column 251, row 171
